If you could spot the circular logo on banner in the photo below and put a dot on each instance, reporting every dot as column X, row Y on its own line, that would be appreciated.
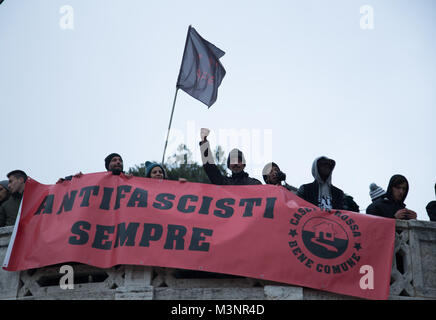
column 327, row 242
column 324, row 238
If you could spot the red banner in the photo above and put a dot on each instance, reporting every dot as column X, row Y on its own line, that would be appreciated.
column 263, row 232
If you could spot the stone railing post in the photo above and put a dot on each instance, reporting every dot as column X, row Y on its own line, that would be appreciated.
column 9, row 281
column 414, row 262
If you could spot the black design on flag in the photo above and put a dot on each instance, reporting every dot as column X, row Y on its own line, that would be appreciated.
column 201, row 71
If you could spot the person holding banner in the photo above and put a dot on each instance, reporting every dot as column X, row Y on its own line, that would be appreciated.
column 235, row 162
column 113, row 163
column 392, row 204
column 9, row 209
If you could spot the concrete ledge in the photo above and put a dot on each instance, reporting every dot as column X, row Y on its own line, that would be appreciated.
column 412, row 278
column 209, row 294
column 283, row 293
column 134, row 293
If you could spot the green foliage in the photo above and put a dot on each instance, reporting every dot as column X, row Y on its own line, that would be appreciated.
column 181, row 165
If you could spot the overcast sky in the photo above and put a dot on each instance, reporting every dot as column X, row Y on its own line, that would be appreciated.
column 353, row 80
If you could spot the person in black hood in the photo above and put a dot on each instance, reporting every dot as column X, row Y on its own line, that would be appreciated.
column 321, row 192
column 431, row 208
column 392, row 205
column 235, row 162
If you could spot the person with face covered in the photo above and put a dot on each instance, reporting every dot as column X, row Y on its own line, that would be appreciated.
column 235, row 162
column 392, row 205
column 321, row 192
column 273, row 175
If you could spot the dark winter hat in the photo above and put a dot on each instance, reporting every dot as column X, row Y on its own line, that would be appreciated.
column 235, row 156
column 108, row 159
column 150, row 165
column 4, row 184
column 375, row 191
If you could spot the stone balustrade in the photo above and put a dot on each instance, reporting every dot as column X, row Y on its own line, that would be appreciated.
column 413, row 277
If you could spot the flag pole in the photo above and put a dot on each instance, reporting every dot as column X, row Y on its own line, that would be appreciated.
column 169, row 126
column 175, row 97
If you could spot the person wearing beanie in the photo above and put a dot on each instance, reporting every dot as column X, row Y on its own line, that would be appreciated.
column 4, row 191
column 392, row 205
column 9, row 208
column 114, row 163
column 375, row 192
column 431, row 208
column 272, row 175
column 235, row 162
column 154, row 170
column 321, row 192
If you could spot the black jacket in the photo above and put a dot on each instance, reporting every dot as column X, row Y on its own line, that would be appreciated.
column 310, row 192
column 431, row 210
column 216, row 177
column 384, row 207
column 9, row 210
column 214, row 174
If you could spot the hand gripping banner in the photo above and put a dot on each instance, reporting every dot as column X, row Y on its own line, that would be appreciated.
column 263, row 232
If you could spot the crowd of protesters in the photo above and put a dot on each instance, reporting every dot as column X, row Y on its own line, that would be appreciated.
column 321, row 192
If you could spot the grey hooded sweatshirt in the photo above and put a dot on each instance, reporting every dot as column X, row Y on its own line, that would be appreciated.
column 322, row 193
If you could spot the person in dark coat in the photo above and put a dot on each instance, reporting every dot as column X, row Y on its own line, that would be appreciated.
column 431, row 208
column 350, row 204
column 9, row 209
column 321, row 192
column 235, row 162
column 392, row 204
column 4, row 191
